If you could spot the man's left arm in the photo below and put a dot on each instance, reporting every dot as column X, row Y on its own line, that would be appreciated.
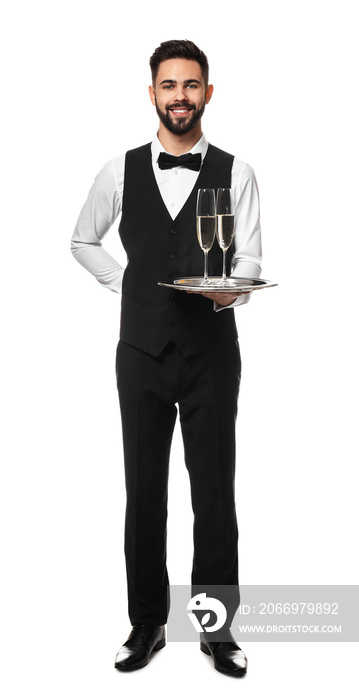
column 246, row 247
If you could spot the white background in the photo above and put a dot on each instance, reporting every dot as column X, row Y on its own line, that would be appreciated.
column 75, row 78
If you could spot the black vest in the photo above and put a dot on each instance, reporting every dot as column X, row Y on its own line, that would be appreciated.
column 159, row 248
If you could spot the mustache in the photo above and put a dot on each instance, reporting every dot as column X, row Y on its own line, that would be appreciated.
column 181, row 105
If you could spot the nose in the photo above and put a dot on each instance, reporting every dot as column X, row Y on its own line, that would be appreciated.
column 180, row 95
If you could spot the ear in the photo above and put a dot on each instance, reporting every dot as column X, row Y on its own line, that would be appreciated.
column 209, row 93
column 151, row 90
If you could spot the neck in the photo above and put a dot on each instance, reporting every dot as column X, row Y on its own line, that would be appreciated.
column 179, row 143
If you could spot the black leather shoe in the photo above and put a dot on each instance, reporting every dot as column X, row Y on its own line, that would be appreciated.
column 228, row 657
column 136, row 651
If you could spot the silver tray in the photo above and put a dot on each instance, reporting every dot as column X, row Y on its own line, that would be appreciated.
column 234, row 284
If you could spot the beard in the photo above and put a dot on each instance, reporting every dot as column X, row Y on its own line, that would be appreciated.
column 180, row 125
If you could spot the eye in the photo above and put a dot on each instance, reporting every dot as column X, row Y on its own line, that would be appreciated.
column 167, row 87
column 192, row 85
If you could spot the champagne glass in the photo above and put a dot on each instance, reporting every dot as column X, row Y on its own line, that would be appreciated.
column 225, row 224
column 206, row 224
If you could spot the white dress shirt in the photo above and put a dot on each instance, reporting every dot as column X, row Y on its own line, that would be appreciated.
column 104, row 205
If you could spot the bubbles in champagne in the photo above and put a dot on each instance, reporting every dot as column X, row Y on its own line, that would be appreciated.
column 206, row 226
column 225, row 230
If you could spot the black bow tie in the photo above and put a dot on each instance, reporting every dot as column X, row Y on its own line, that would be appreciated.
column 188, row 160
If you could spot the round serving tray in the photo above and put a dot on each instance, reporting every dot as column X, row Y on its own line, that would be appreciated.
column 233, row 284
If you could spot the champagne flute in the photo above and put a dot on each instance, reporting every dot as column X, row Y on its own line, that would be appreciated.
column 206, row 224
column 225, row 224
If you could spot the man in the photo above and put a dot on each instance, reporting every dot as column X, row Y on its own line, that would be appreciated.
column 175, row 348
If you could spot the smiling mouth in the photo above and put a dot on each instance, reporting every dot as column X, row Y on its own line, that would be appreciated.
column 180, row 111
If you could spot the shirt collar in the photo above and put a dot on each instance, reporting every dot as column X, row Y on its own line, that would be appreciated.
column 200, row 147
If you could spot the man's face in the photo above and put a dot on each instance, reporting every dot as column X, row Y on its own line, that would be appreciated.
column 180, row 94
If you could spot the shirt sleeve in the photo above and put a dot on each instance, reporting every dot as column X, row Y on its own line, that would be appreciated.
column 102, row 207
column 247, row 242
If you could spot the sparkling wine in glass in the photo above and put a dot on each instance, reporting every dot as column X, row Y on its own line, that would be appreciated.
column 225, row 224
column 206, row 224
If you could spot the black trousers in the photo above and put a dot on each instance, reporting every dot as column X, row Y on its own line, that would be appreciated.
column 205, row 389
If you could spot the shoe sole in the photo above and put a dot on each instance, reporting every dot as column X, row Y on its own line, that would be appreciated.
column 159, row 645
column 237, row 674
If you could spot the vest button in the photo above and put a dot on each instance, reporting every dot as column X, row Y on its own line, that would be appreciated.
column 172, row 303
column 173, row 231
column 172, row 255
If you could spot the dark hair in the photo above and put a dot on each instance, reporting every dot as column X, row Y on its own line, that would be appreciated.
column 181, row 48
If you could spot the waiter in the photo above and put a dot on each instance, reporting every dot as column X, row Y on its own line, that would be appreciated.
column 177, row 351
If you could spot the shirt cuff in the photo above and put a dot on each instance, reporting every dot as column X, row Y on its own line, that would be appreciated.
column 241, row 299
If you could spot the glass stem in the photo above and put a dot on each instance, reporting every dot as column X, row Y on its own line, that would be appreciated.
column 224, row 276
column 206, row 265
